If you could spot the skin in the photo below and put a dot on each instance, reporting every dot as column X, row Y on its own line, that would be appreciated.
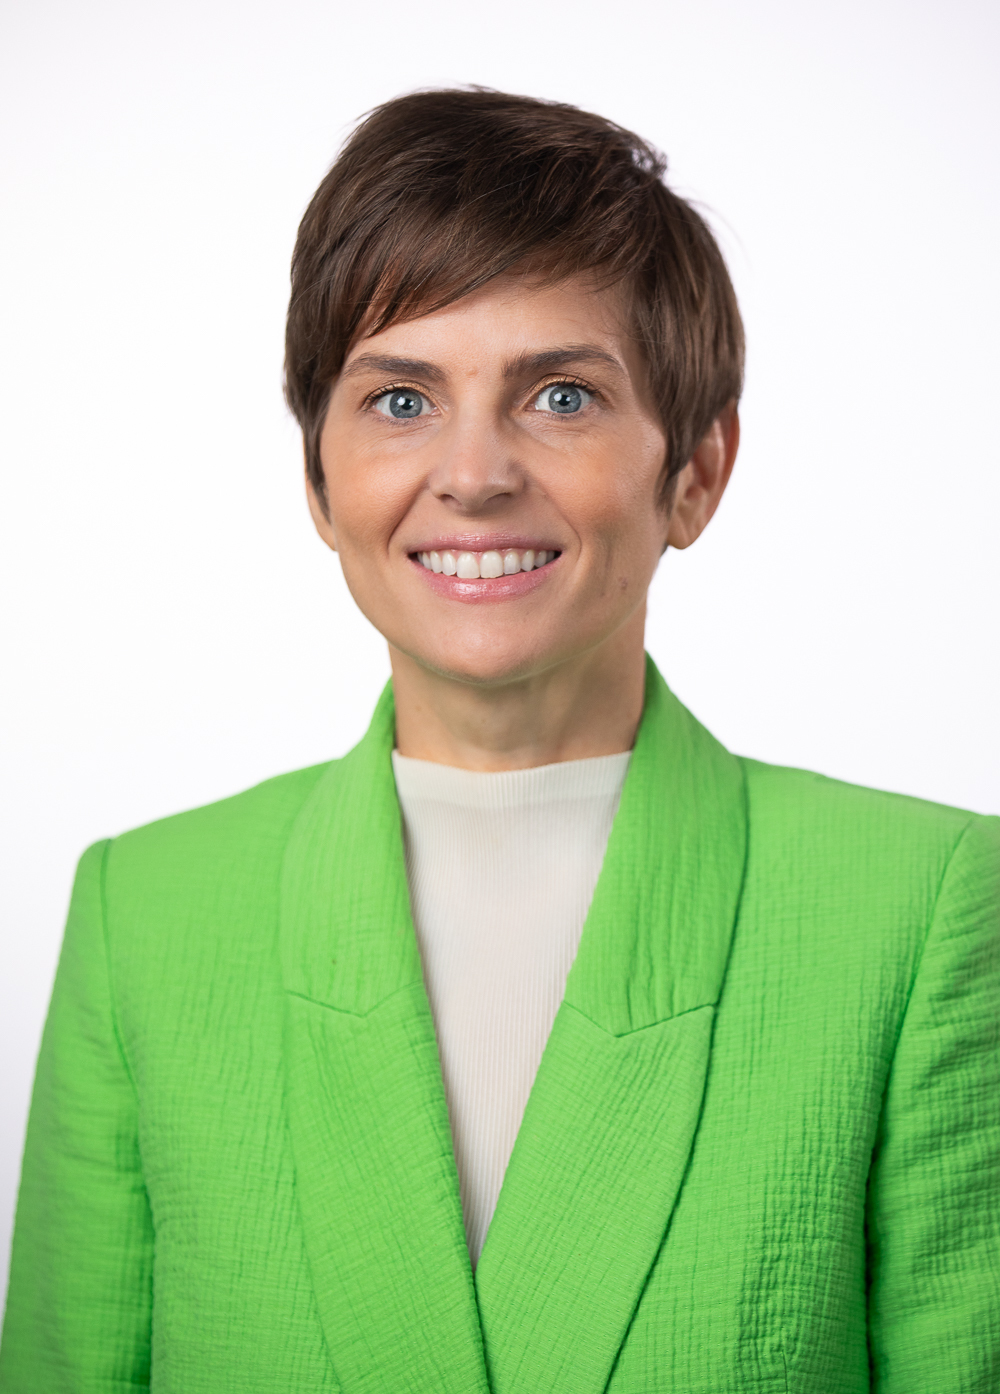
column 555, row 671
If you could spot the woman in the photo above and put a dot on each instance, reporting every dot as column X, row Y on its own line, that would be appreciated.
column 294, row 1035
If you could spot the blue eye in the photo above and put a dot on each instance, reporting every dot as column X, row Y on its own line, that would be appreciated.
column 563, row 398
column 403, row 403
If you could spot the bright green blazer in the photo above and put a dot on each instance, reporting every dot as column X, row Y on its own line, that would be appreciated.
column 762, row 1152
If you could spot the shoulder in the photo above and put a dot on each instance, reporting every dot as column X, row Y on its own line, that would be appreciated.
column 863, row 865
column 193, row 900
column 800, row 808
column 226, row 836
column 855, row 903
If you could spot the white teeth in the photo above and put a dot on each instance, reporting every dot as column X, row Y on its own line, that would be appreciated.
column 475, row 566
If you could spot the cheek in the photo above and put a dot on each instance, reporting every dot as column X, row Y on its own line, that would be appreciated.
column 615, row 499
column 368, row 495
column 640, row 486
column 364, row 516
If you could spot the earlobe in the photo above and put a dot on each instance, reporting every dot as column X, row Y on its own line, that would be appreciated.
column 702, row 482
column 683, row 510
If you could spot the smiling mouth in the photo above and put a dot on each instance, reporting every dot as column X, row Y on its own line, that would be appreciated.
column 486, row 566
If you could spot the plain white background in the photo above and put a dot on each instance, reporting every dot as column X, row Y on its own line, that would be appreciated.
column 174, row 631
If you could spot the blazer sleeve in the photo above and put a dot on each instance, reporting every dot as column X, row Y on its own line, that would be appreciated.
column 934, row 1190
column 79, row 1302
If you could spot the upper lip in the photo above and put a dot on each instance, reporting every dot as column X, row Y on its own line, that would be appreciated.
column 487, row 542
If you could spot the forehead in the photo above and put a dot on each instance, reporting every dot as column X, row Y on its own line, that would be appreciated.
column 510, row 318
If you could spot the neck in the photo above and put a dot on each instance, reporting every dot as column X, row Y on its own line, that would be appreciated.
column 585, row 706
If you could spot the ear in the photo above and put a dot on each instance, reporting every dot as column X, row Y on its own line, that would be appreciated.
column 320, row 515
column 702, row 482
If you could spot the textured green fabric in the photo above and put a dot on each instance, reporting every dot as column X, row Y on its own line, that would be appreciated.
column 762, row 1152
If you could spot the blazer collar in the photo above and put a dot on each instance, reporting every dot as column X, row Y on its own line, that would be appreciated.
column 598, row 1162
column 375, row 1171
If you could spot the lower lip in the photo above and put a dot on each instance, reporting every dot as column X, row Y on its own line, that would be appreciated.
column 494, row 588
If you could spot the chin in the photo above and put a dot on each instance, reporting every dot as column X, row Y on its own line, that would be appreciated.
column 487, row 660
column 487, row 671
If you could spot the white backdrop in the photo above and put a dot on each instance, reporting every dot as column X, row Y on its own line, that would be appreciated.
column 173, row 629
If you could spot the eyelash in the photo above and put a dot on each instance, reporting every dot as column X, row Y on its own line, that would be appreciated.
column 570, row 380
column 373, row 397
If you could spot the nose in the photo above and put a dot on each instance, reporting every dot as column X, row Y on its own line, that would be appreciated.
column 475, row 469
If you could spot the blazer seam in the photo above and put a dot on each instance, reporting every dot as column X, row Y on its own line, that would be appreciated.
column 620, row 1035
column 346, row 1011
column 876, row 1141
column 932, row 916
column 900, row 1025
column 745, row 788
column 106, row 938
column 615, row 1035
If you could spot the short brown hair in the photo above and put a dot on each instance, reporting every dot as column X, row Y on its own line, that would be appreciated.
column 437, row 192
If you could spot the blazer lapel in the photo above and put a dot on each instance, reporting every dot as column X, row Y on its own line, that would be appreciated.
column 602, row 1150
column 375, row 1170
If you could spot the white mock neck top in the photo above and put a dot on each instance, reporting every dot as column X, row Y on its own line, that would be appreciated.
column 501, row 869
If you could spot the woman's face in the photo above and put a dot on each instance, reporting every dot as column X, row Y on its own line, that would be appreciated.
column 492, row 472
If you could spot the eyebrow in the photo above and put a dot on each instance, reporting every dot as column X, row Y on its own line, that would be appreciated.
column 551, row 360
column 393, row 367
column 526, row 364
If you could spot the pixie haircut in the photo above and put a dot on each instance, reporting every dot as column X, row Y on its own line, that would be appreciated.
column 438, row 192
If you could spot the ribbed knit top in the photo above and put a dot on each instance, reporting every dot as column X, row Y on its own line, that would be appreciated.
column 501, row 869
